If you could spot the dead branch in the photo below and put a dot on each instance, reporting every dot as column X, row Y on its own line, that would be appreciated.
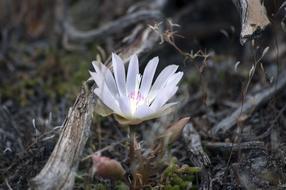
column 193, row 141
column 224, row 146
column 253, row 18
column 110, row 28
column 60, row 170
column 245, row 110
column 197, row 155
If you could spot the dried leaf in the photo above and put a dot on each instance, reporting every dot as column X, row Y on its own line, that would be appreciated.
column 174, row 131
column 236, row 66
column 265, row 51
column 134, row 149
column 251, row 71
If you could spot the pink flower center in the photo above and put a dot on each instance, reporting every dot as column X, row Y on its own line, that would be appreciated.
column 136, row 96
column 136, row 99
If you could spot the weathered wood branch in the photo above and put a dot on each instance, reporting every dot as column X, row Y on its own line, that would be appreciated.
column 253, row 18
column 60, row 170
column 249, row 106
column 198, row 157
column 110, row 28
column 225, row 146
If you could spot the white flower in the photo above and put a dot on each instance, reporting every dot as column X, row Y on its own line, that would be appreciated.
column 133, row 98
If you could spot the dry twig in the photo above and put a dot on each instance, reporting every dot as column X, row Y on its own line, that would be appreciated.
column 245, row 110
column 110, row 28
column 197, row 155
column 224, row 146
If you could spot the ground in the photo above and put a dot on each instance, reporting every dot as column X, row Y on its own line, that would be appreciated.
column 41, row 75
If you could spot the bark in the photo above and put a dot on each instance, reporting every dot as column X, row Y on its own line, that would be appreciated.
column 253, row 18
column 60, row 170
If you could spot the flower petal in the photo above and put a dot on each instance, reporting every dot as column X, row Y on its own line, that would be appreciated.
column 97, row 79
column 166, row 109
column 107, row 98
column 124, row 104
column 171, row 82
column 109, row 79
column 174, row 79
column 165, row 95
column 133, row 70
column 102, row 109
column 119, row 73
column 102, row 73
column 143, row 111
column 148, row 76
column 96, row 66
column 161, row 79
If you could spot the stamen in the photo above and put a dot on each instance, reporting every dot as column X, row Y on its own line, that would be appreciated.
column 135, row 96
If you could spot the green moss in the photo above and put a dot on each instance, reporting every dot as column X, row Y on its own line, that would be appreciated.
column 59, row 75
column 175, row 177
column 121, row 186
column 100, row 186
column 170, row 187
column 72, row 71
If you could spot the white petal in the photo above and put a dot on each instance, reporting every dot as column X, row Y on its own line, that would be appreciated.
column 102, row 109
column 107, row 98
column 133, row 70
column 119, row 73
column 97, row 78
column 102, row 73
column 143, row 111
column 96, row 66
column 124, row 104
column 148, row 76
column 174, row 79
column 161, row 79
column 109, row 79
column 164, row 96
column 171, row 82
column 166, row 109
